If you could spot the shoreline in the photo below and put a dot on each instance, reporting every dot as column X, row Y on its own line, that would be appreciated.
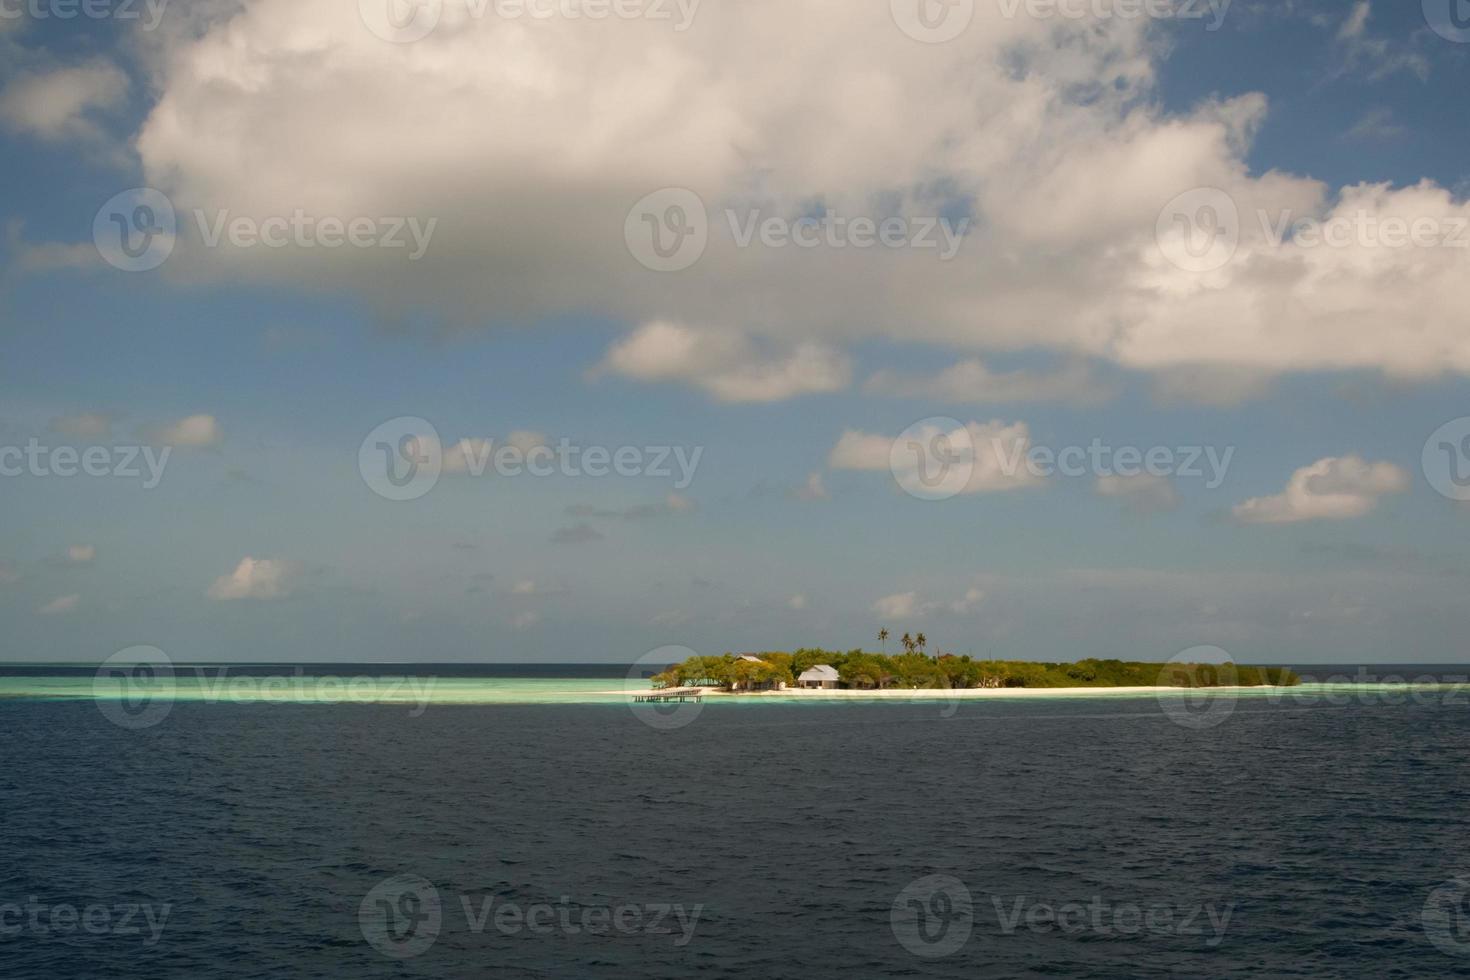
column 956, row 693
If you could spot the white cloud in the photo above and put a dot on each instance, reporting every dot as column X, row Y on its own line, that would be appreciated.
column 1143, row 493
column 254, row 578
column 478, row 456
column 59, row 605
column 88, row 425
column 1050, row 133
column 995, row 453
column 909, row 605
column 972, row 382
column 1336, row 488
column 815, row 488
column 59, row 103
column 525, row 619
column 524, row 587
column 672, row 504
column 971, row 599
column 193, row 432
column 81, row 554
column 902, row 605
column 725, row 364
column 797, row 601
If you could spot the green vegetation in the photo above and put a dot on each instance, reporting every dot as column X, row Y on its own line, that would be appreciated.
column 860, row 670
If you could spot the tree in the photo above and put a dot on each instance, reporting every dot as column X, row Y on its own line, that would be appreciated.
column 908, row 643
column 883, row 638
column 921, row 641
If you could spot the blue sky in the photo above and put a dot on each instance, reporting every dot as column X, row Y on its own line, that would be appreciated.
column 264, row 373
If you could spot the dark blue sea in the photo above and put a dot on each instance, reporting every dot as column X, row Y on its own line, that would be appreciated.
column 1050, row 838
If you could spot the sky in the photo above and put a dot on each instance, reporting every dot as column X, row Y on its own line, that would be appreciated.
column 1053, row 330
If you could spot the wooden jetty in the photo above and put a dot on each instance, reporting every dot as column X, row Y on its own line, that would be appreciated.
column 672, row 694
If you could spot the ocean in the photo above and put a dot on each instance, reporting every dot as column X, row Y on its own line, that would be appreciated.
column 552, row 830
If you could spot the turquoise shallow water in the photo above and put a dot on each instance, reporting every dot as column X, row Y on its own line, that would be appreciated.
column 256, row 684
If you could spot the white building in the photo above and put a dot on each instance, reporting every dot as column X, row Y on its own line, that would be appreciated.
column 820, row 676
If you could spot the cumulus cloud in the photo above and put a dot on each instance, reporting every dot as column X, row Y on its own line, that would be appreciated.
column 193, row 432
column 1336, row 488
column 967, row 602
column 972, row 382
column 993, row 454
column 255, row 578
column 815, row 488
column 1050, row 134
column 797, row 602
column 909, row 605
column 81, row 554
column 476, row 456
column 61, row 103
column 1144, row 493
column 88, row 425
column 901, row 605
column 59, row 605
column 726, row 365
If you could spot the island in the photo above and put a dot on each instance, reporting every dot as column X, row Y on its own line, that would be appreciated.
column 814, row 669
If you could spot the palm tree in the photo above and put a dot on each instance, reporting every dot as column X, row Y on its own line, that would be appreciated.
column 920, row 641
column 908, row 643
column 883, row 638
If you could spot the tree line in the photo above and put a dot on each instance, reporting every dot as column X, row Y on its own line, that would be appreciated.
column 861, row 670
